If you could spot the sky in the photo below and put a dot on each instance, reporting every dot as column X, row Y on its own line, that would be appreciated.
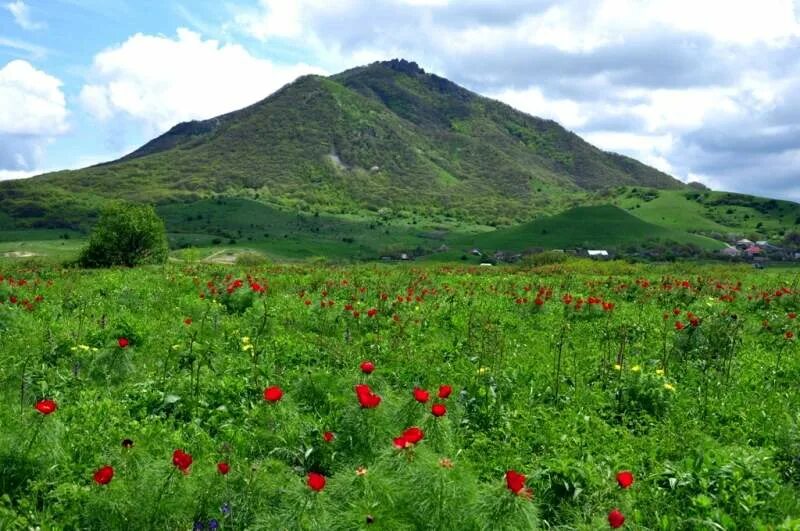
column 705, row 90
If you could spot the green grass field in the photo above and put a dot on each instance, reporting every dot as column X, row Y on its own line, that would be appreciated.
column 205, row 396
column 588, row 227
column 710, row 212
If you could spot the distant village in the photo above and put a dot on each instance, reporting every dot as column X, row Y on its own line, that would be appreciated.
column 759, row 253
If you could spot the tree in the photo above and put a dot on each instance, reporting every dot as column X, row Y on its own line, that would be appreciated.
column 126, row 234
column 792, row 240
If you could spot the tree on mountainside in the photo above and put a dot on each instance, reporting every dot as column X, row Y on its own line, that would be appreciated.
column 126, row 234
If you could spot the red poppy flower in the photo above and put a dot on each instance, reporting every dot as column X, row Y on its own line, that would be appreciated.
column 676, row 311
column 399, row 442
column 625, row 478
column 679, row 325
column 273, row 394
column 444, row 391
column 103, row 475
column 328, row 436
column 438, row 410
column 187, row 321
column 791, row 315
column 367, row 367
column 316, row 481
column 615, row 518
column 413, row 435
column 372, row 312
column 257, row 288
column 515, row 481
column 182, row 460
column 421, row 395
column 366, row 397
column 123, row 342
column 223, row 468
column 789, row 335
column 45, row 407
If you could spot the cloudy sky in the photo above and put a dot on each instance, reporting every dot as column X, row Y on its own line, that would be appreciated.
column 706, row 90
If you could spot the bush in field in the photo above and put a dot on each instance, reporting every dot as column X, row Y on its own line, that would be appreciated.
column 251, row 259
column 545, row 258
column 128, row 235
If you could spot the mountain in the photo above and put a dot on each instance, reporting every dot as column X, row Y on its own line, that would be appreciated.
column 387, row 135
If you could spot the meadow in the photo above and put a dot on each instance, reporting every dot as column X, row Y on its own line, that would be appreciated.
column 390, row 396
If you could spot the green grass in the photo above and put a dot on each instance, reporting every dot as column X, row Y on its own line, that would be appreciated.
column 282, row 233
column 59, row 249
column 568, row 395
column 713, row 212
column 594, row 227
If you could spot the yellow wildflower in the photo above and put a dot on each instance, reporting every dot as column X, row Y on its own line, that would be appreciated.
column 636, row 368
column 669, row 387
column 617, row 367
column 660, row 372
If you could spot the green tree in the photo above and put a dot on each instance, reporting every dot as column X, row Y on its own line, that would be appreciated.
column 126, row 234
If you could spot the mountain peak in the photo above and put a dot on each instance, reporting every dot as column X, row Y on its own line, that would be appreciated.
column 403, row 66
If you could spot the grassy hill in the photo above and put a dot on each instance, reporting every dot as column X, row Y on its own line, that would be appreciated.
column 594, row 227
column 279, row 233
column 711, row 213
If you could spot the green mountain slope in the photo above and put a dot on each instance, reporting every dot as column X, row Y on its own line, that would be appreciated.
column 385, row 135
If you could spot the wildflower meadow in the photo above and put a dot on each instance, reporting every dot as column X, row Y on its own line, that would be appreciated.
column 399, row 397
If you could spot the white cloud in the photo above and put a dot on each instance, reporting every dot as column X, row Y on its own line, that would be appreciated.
column 161, row 81
column 566, row 112
column 22, row 15
column 649, row 149
column 279, row 18
column 31, row 101
column 33, row 110
column 33, row 50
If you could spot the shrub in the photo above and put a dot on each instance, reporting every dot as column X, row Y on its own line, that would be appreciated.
column 126, row 234
column 251, row 259
column 545, row 258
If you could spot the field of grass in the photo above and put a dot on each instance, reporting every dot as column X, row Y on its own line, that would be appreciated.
column 215, row 397
column 47, row 249
column 284, row 234
column 710, row 212
column 594, row 227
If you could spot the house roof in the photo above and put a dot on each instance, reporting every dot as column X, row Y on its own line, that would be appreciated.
column 597, row 252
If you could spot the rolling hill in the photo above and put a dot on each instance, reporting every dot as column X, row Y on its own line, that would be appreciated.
column 586, row 227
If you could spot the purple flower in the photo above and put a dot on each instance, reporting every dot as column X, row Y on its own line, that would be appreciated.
column 226, row 508
column 198, row 526
column 213, row 524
